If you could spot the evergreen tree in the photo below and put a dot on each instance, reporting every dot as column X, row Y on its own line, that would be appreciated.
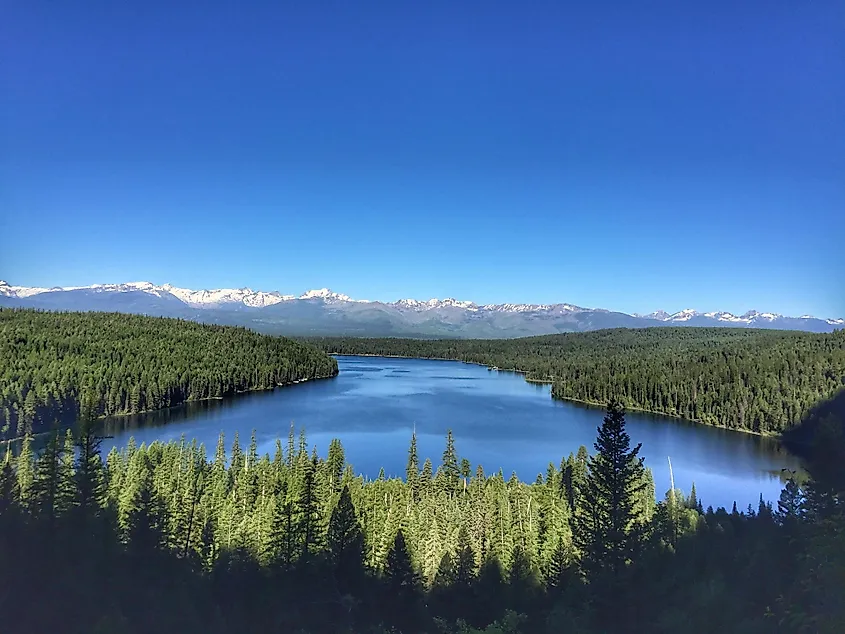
column 9, row 501
column 52, row 482
column 607, row 530
column 237, row 457
column 523, row 584
column 346, row 543
column 490, row 592
column 791, row 503
column 283, row 548
column 412, row 469
column 89, row 472
column 308, row 511
column 403, row 586
column 449, row 468
column 25, row 471
column 335, row 463
column 426, row 475
column 465, row 570
column 146, row 514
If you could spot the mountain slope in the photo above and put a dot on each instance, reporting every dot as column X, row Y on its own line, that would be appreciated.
column 322, row 312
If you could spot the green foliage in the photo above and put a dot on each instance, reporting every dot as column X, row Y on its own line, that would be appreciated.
column 57, row 367
column 170, row 541
column 735, row 378
column 608, row 527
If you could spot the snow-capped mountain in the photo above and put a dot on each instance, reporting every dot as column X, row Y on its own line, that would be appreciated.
column 325, row 312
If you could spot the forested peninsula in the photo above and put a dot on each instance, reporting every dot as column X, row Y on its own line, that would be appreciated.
column 761, row 381
column 125, row 364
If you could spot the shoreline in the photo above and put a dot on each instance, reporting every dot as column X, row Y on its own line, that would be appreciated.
column 219, row 398
column 182, row 404
column 777, row 436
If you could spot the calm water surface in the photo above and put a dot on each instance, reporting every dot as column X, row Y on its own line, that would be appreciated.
column 498, row 420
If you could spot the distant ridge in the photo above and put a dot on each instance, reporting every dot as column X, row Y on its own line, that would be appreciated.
column 322, row 312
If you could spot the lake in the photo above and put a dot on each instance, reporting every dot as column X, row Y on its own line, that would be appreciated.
column 498, row 420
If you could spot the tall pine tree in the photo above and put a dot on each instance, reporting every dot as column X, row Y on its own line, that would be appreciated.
column 607, row 527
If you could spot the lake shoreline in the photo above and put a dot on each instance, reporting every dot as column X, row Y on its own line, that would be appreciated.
column 221, row 398
column 183, row 404
column 596, row 404
column 497, row 421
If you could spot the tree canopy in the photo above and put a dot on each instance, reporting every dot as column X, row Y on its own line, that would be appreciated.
column 124, row 364
column 762, row 381
column 159, row 538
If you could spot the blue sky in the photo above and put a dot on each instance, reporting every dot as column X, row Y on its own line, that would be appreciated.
column 631, row 156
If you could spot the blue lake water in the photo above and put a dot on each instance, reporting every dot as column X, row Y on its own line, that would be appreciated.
column 498, row 420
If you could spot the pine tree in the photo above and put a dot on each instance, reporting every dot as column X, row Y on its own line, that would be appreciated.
column 522, row 580
column 9, row 490
column 444, row 578
column 252, row 453
column 465, row 570
column 449, row 468
column 346, row 543
column 282, row 548
column 237, row 459
column 412, row 469
column 607, row 530
column 90, row 474
column 146, row 514
column 791, row 503
column 66, row 492
column 335, row 463
column 403, row 587
column 692, row 502
column 291, row 455
column 51, row 487
column 25, row 472
column 308, row 511
column 558, row 571
column 426, row 476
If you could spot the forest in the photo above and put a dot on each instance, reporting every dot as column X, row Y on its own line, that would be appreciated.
column 126, row 364
column 762, row 381
column 165, row 538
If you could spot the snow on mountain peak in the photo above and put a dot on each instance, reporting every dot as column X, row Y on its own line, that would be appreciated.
column 435, row 303
column 684, row 315
column 325, row 293
column 260, row 299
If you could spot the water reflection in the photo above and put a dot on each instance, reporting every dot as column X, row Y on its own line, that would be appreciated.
column 499, row 421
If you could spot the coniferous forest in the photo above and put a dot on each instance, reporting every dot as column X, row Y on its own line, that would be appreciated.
column 130, row 363
column 167, row 538
column 762, row 381
column 181, row 537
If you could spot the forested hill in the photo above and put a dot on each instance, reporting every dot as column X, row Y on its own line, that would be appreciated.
column 754, row 380
column 131, row 363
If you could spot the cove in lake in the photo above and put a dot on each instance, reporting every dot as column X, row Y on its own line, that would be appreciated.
column 499, row 421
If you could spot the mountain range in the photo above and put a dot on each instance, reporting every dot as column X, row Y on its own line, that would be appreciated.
column 323, row 312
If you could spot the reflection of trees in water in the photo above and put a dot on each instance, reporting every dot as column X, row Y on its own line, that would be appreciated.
column 117, row 425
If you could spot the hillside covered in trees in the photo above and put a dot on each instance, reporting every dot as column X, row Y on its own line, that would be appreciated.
column 161, row 539
column 129, row 363
column 753, row 380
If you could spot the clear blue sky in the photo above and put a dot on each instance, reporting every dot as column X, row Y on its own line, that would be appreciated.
column 626, row 155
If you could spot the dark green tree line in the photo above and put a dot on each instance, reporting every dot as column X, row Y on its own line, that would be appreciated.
column 762, row 381
column 123, row 364
column 162, row 538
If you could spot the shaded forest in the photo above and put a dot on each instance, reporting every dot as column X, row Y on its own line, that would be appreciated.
column 166, row 538
column 127, row 364
column 762, row 381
